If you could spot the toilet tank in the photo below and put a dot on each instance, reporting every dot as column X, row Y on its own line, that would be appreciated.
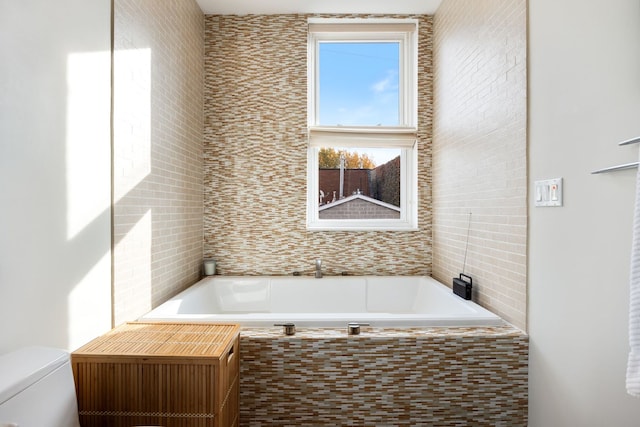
column 37, row 389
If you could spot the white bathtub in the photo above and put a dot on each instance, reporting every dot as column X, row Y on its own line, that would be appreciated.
column 385, row 301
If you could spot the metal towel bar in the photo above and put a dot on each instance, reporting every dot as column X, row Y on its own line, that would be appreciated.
column 617, row 168
column 635, row 140
column 631, row 165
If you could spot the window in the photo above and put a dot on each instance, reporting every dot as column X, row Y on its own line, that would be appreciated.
column 362, row 116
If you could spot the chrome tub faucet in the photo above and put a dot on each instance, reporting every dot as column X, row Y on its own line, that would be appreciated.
column 318, row 269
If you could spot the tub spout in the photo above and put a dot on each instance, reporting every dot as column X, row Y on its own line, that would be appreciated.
column 318, row 269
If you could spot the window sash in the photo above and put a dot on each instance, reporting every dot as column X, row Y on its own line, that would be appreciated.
column 403, row 136
column 408, row 199
column 404, row 32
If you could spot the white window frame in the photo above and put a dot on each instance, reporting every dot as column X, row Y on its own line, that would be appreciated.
column 403, row 136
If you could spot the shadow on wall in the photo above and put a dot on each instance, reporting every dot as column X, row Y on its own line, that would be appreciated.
column 55, row 168
column 157, row 152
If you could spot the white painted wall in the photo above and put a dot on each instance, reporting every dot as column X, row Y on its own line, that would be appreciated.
column 584, row 97
column 55, row 173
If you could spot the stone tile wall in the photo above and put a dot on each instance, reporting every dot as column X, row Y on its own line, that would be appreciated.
column 157, row 151
column 480, row 150
column 256, row 158
column 384, row 377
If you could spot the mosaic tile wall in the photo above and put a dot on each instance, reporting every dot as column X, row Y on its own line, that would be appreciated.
column 480, row 150
column 402, row 377
column 157, row 149
column 256, row 157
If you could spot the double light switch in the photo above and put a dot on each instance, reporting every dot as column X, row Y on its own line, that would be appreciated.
column 548, row 192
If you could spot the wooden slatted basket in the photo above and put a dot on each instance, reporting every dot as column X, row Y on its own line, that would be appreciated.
column 165, row 374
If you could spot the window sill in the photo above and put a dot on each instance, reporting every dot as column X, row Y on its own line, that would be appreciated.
column 341, row 225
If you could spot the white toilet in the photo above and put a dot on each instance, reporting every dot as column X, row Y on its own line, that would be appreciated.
column 37, row 389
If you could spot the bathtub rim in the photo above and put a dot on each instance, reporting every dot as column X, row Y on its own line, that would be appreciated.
column 331, row 320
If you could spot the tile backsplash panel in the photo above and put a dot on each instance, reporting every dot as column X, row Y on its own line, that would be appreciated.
column 255, row 158
column 480, row 150
column 157, row 152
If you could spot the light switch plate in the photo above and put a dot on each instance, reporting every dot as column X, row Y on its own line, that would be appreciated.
column 548, row 192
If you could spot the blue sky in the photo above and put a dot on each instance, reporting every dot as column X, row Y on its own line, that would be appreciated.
column 358, row 83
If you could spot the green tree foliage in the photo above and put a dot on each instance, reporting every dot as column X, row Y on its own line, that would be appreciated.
column 329, row 158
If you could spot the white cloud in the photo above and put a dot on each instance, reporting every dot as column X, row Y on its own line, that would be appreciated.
column 389, row 83
column 382, row 85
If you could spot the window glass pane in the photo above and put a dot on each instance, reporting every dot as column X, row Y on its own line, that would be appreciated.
column 358, row 183
column 358, row 84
